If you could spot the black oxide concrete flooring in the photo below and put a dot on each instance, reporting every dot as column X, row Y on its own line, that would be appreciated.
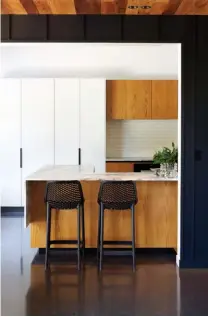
column 157, row 287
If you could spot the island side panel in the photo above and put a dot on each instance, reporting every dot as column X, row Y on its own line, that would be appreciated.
column 156, row 216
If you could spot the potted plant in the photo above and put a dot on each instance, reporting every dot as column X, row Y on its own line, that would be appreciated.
column 168, row 160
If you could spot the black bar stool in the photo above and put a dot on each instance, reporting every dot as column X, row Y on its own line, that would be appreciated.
column 116, row 195
column 65, row 195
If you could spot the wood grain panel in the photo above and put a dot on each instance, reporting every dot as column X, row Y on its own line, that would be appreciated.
column 128, row 7
column 119, row 167
column 31, row 6
column 201, row 7
column 159, row 8
column 12, row 7
column 156, row 216
column 186, row 7
column 164, row 99
column 62, row 6
column 109, row 7
column 172, row 7
column 88, row 7
column 128, row 99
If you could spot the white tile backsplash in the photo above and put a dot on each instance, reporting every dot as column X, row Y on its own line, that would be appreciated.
column 139, row 138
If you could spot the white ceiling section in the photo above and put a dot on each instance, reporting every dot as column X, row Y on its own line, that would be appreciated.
column 111, row 61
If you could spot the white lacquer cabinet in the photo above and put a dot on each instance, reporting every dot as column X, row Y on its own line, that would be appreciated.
column 37, row 124
column 93, row 122
column 66, row 121
column 10, row 142
column 49, row 119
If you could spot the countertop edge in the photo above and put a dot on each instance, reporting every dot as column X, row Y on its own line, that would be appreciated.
column 116, row 178
column 129, row 159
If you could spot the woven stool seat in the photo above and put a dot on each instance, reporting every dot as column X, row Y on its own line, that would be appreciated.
column 64, row 194
column 117, row 194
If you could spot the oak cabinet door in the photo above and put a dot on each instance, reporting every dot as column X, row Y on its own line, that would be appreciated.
column 119, row 167
column 164, row 99
column 129, row 99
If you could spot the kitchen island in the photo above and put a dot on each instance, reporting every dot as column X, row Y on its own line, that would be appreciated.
column 155, row 213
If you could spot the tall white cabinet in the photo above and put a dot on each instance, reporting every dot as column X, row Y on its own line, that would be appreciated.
column 66, row 121
column 37, row 113
column 48, row 120
column 93, row 122
column 10, row 142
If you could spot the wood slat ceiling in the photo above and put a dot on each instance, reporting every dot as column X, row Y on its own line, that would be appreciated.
column 129, row 7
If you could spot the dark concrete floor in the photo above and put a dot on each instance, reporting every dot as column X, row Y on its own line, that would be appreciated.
column 157, row 287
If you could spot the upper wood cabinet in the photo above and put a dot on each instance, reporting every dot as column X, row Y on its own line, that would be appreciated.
column 164, row 99
column 128, row 99
column 142, row 99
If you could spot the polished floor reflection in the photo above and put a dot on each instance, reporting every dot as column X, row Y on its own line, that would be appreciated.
column 157, row 287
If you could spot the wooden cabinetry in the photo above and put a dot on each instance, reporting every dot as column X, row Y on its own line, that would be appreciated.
column 142, row 99
column 155, row 216
column 128, row 99
column 164, row 99
column 119, row 167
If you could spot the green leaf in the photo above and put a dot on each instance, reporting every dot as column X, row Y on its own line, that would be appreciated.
column 166, row 155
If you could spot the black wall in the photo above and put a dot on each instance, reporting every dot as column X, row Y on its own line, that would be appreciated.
column 192, row 33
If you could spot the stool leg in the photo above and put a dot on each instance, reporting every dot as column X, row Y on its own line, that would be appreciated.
column 83, row 230
column 101, row 235
column 48, row 235
column 133, row 237
column 98, row 236
column 78, row 236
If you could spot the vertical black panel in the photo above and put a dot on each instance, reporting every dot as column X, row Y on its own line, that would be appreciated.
column 29, row 28
column 176, row 29
column 5, row 28
column 66, row 28
column 103, row 28
column 201, row 142
column 140, row 28
column 182, row 29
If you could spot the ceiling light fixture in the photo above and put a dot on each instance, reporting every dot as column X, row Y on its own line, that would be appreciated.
column 146, row 7
column 133, row 7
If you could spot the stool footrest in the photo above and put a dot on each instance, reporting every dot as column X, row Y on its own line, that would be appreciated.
column 117, row 252
column 109, row 242
column 64, row 242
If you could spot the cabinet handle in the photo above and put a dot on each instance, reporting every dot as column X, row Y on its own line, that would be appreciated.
column 79, row 156
column 20, row 157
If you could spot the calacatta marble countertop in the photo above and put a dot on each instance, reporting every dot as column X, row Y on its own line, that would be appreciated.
column 129, row 159
column 86, row 173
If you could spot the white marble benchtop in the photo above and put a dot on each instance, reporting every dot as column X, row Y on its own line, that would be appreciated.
column 129, row 159
column 86, row 173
